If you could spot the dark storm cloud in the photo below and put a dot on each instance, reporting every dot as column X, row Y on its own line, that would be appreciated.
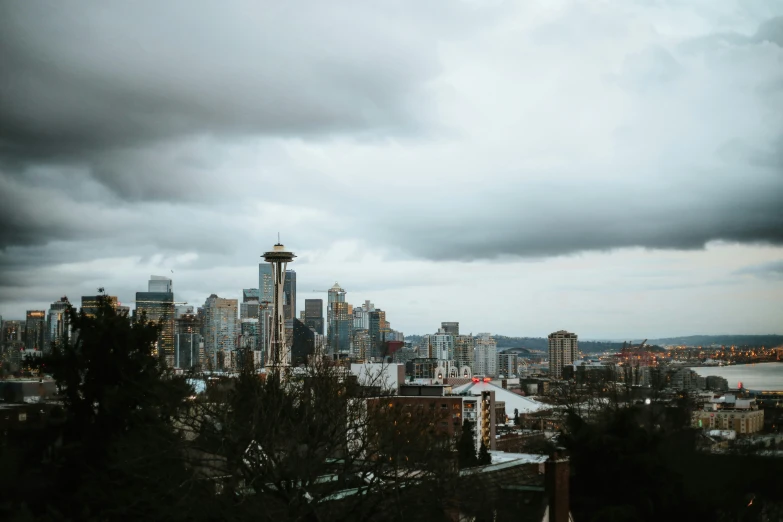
column 145, row 98
column 80, row 79
column 141, row 96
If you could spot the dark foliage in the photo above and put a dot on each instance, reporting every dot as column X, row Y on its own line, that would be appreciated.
column 113, row 454
column 640, row 464
column 484, row 457
column 466, row 446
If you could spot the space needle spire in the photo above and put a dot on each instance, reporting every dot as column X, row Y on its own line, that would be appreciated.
column 278, row 355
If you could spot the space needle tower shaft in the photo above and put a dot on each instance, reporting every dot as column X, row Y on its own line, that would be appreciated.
column 278, row 356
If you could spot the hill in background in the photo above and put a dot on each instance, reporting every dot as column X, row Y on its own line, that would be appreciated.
column 539, row 344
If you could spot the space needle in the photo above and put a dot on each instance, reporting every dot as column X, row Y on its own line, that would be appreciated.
column 278, row 355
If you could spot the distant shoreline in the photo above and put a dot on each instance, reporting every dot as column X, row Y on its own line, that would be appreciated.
column 731, row 365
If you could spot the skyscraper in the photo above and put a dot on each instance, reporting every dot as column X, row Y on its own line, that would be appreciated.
column 304, row 343
column 266, row 297
column 158, row 306
column 485, row 355
column 188, row 342
column 463, row 351
column 220, row 331
column 249, row 307
column 339, row 321
column 451, row 328
column 35, row 329
column 248, row 342
column 159, row 284
column 12, row 336
column 57, row 328
column 289, row 291
column 563, row 350
column 314, row 315
column 91, row 303
column 278, row 354
column 378, row 327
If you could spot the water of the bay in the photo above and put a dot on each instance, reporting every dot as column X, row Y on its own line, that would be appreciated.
column 760, row 376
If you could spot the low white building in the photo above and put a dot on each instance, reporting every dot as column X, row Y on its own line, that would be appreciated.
column 387, row 376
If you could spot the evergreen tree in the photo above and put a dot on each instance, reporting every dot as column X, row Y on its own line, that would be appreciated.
column 516, row 417
column 484, row 458
column 120, row 457
column 466, row 452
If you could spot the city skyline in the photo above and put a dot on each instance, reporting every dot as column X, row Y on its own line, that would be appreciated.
column 519, row 168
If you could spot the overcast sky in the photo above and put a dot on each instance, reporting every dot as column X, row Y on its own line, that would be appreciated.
column 610, row 168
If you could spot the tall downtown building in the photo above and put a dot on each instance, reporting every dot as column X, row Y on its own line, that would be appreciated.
column 35, row 329
column 377, row 331
column 464, row 351
column 563, row 350
column 314, row 315
column 249, row 307
column 188, row 342
column 57, row 327
column 221, row 328
column 339, row 316
column 485, row 354
column 450, row 328
column 289, row 293
column 157, row 304
column 441, row 345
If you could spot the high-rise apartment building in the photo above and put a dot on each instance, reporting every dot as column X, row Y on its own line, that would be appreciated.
column 57, row 328
column 563, row 350
column 361, row 316
column 451, row 328
column 442, row 345
column 35, row 329
column 157, row 304
column 221, row 329
column 339, row 315
column 463, row 351
column 485, row 354
column 314, row 315
column 507, row 364
column 361, row 344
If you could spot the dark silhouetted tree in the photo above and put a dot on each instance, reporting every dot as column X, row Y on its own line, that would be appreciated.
column 466, row 446
column 120, row 456
column 484, row 458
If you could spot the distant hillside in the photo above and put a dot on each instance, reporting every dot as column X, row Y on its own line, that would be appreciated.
column 726, row 340
column 540, row 344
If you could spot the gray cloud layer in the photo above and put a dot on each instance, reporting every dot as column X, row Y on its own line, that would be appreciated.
column 437, row 130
